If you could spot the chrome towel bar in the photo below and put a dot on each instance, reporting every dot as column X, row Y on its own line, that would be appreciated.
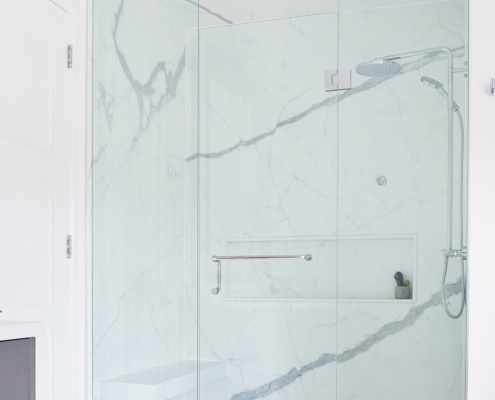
column 219, row 259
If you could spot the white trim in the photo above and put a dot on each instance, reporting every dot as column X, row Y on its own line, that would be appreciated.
column 481, row 317
column 78, row 222
column 88, row 300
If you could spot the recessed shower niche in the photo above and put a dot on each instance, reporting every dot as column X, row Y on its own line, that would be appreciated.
column 364, row 265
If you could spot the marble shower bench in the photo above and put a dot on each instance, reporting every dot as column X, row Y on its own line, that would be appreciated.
column 163, row 382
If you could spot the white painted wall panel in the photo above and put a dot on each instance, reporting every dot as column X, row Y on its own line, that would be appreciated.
column 481, row 348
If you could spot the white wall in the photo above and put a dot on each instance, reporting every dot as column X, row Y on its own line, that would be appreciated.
column 481, row 346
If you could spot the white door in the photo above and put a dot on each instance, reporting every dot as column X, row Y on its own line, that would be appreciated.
column 34, row 96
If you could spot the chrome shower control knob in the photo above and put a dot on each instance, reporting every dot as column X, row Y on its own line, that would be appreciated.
column 381, row 180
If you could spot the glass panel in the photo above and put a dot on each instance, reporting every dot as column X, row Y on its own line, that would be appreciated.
column 393, row 202
column 141, row 243
column 268, row 187
column 214, row 135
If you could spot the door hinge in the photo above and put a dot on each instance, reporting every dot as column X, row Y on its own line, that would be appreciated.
column 68, row 246
column 337, row 79
column 69, row 56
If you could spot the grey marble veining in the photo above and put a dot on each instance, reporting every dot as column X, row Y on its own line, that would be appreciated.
column 151, row 97
column 329, row 102
column 137, row 187
column 139, row 156
column 148, row 89
column 211, row 12
column 107, row 102
column 386, row 331
column 98, row 340
column 215, row 13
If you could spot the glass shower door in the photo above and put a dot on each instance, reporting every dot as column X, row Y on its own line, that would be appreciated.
column 397, row 342
column 249, row 224
column 267, row 178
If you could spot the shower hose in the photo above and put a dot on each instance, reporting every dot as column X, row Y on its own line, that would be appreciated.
column 447, row 255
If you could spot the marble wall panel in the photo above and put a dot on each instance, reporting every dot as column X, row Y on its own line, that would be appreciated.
column 280, row 157
column 208, row 13
column 273, row 156
column 138, row 187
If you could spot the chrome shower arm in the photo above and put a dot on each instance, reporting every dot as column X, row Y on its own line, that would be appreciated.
column 421, row 52
column 432, row 50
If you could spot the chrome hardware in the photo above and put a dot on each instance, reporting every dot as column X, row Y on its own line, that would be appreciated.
column 216, row 290
column 491, row 88
column 306, row 257
column 464, row 70
column 381, row 180
column 337, row 79
column 455, row 253
column 219, row 259
column 69, row 56
column 68, row 246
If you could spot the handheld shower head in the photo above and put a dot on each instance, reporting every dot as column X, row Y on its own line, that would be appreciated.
column 431, row 82
column 438, row 87
column 435, row 85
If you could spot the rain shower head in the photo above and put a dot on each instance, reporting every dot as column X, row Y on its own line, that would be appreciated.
column 378, row 67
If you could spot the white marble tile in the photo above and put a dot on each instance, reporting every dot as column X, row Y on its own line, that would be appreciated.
column 208, row 13
column 260, row 10
column 356, row 5
column 278, row 158
column 268, row 183
column 422, row 362
column 260, row 178
column 278, row 344
column 138, row 188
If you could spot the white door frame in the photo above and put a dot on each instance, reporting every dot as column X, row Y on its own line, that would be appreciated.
column 79, row 200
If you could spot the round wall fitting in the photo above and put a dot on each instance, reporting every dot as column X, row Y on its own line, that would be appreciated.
column 381, row 180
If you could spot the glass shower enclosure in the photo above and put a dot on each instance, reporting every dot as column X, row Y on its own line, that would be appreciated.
column 278, row 199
